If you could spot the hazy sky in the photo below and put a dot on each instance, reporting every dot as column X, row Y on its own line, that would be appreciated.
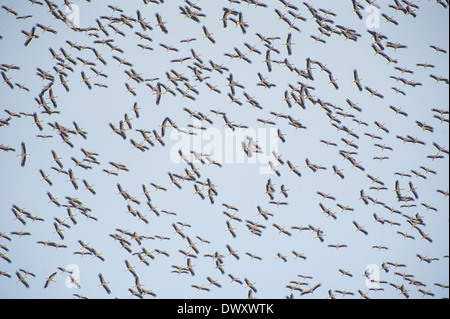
column 240, row 181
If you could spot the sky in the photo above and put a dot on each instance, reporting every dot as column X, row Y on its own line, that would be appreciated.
column 240, row 181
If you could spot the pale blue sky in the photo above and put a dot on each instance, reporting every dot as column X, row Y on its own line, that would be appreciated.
column 238, row 184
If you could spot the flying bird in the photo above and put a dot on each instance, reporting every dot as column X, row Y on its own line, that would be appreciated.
column 24, row 155
column 338, row 172
column 49, row 279
column 208, row 35
column 359, row 228
column 161, row 24
column 357, row 80
column 30, row 35
column 7, row 80
column 103, row 283
column 22, row 279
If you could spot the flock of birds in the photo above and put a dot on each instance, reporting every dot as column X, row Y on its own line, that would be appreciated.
column 76, row 66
